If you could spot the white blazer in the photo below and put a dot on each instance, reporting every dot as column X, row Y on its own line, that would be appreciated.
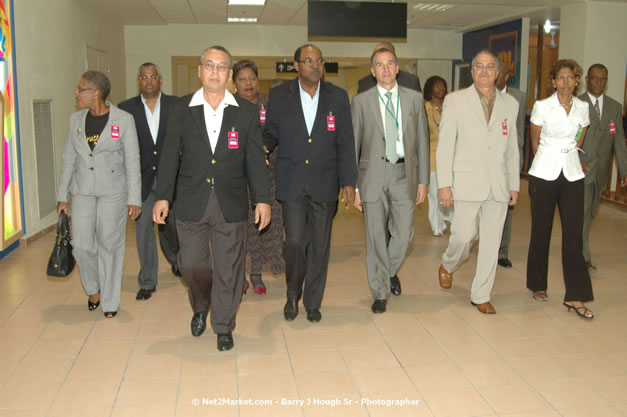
column 557, row 151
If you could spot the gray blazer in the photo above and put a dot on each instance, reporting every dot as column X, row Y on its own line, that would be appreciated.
column 370, row 142
column 473, row 156
column 598, row 143
column 112, row 168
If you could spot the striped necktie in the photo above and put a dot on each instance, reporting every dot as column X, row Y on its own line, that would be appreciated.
column 391, row 131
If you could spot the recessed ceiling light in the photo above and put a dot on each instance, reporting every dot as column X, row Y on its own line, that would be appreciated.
column 433, row 7
column 242, row 19
column 247, row 2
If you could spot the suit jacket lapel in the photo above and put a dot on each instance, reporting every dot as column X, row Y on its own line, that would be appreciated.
column 475, row 103
column 163, row 117
column 321, row 116
column 294, row 99
column 405, row 108
column 82, row 133
column 498, row 110
column 198, row 116
column 228, row 123
column 376, row 109
column 140, row 118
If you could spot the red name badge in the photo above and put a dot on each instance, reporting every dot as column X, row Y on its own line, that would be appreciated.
column 504, row 127
column 331, row 123
column 262, row 115
column 233, row 140
column 115, row 132
column 612, row 128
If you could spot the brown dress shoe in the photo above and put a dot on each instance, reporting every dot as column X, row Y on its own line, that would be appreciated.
column 485, row 308
column 446, row 278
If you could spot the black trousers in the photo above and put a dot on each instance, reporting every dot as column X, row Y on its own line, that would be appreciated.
column 212, row 260
column 306, row 247
column 568, row 196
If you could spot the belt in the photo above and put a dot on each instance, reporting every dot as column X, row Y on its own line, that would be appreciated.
column 400, row 161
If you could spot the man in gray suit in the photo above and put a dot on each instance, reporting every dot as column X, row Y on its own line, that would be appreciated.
column 521, row 98
column 392, row 145
column 604, row 134
column 477, row 165
column 403, row 78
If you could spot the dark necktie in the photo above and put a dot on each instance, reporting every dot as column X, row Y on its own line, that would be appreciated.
column 597, row 108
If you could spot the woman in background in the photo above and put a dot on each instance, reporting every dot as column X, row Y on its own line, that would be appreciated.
column 101, row 173
column 556, row 177
column 264, row 247
column 434, row 92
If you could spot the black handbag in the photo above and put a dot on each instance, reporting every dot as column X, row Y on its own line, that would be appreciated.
column 61, row 261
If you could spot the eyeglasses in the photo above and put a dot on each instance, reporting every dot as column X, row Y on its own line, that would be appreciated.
column 313, row 62
column 151, row 77
column 220, row 66
column 489, row 67
column 595, row 79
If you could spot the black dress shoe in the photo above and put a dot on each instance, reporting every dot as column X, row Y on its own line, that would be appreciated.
column 199, row 324
column 379, row 306
column 395, row 285
column 175, row 270
column 290, row 311
column 144, row 294
column 314, row 315
column 225, row 341
column 505, row 263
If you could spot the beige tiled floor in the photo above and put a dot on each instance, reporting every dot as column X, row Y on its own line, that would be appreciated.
column 431, row 348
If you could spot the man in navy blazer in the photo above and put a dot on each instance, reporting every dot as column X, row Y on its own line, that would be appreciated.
column 310, row 121
column 151, row 110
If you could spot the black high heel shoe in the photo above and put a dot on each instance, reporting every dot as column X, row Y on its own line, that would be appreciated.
column 92, row 306
column 581, row 311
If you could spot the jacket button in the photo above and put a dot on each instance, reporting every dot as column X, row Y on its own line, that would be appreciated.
column 90, row 155
column 155, row 152
column 92, row 168
column 309, row 140
column 154, row 168
column 307, row 161
column 213, row 162
column 209, row 180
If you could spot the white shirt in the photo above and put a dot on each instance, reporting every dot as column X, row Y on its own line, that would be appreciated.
column 310, row 106
column 593, row 99
column 400, row 151
column 557, row 151
column 213, row 118
column 153, row 118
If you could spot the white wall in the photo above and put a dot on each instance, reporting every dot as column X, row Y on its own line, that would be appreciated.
column 50, row 39
column 159, row 43
column 594, row 32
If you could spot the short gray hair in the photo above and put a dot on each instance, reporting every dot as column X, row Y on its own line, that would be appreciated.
column 99, row 81
column 486, row 52
column 148, row 64
column 217, row 48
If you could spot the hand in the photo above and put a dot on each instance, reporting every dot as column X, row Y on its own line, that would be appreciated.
column 513, row 198
column 134, row 211
column 445, row 195
column 348, row 195
column 357, row 202
column 263, row 215
column 422, row 193
column 160, row 211
column 584, row 166
column 623, row 181
column 61, row 206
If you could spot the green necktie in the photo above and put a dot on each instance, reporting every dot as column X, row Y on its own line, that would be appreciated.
column 391, row 131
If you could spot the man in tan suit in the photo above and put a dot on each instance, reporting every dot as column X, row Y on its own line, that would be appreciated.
column 478, row 172
column 392, row 145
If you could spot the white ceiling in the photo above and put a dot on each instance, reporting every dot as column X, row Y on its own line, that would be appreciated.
column 465, row 15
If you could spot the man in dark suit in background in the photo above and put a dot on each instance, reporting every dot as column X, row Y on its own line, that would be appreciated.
column 604, row 134
column 222, row 156
column 151, row 110
column 403, row 78
column 310, row 121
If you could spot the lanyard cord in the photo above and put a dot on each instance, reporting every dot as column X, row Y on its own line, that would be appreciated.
column 395, row 116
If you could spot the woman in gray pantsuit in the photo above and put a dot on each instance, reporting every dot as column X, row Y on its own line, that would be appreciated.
column 101, row 172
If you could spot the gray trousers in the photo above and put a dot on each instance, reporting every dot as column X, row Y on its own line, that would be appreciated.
column 507, row 234
column 98, row 242
column 472, row 220
column 391, row 215
column 147, row 242
column 591, row 202
column 212, row 259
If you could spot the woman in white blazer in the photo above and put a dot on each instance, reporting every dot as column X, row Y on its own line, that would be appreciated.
column 101, row 173
column 558, row 128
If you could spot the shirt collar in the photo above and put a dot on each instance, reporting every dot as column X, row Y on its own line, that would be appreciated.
column 382, row 90
column 304, row 92
column 483, row 95
column 593, row 98
column 144, row 100
column 198, row 99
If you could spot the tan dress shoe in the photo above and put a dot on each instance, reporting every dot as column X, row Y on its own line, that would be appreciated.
column 446, row 278
column 485, row 308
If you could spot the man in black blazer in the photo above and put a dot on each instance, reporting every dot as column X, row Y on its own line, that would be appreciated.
column 310, row 121
column 219, row 138
column 151, row 110
column 403, row 78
